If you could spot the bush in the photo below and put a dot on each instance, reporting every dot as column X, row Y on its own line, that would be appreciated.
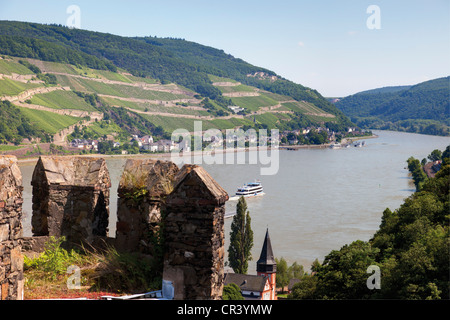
column 126, row 272
column 100, row 270
column 232, row 292
column 54, row 260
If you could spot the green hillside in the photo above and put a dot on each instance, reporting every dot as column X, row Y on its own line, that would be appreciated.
column 422, row 108
column 48, row 122
column 56, row 77
column 16, row 126
column 168, row 60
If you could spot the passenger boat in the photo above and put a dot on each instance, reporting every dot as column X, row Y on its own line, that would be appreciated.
column 251, row 189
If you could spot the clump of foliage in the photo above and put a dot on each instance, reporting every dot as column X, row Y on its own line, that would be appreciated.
column 101, row 270
column 46, row 77
column 126, row 272
column 415, row 166
column 30, row 66
column 232, row 292
column 418, row 175
column 54, row 260
column 286, row 273
column 135, row 185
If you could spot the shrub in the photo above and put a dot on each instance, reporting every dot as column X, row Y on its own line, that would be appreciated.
column 54, row 260
column 232, row 292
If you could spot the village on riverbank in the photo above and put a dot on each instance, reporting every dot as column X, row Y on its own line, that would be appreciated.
column 310, row 137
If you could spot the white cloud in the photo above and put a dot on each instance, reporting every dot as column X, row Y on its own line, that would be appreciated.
column 301, row 44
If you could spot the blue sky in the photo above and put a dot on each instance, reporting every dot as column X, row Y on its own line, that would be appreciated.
column 325, row 45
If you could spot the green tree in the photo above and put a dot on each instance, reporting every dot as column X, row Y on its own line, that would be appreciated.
column 446, row 153
column 316, row 137
column 285, row 274
column 305, row 289
column 418, row 175
column 295, row 271
column 232, row 292
column 282, row 273
column 241, row 239
column 343, row 274
column 435, row 155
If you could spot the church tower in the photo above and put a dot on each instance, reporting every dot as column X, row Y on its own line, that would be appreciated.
column 266, row 265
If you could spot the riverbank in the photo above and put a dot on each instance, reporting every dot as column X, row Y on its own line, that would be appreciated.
column 34, row 159
column 325, row 145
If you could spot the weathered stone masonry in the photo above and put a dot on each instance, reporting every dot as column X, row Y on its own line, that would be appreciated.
column 142, row 192
column 194, row 225
column 71, row 198
column 11, row 260
column 193, row 204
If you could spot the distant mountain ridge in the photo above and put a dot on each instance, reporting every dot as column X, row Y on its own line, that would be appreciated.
column 389, row 89
column 422, row 108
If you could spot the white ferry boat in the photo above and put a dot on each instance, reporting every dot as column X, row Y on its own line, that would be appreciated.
column 251, row 189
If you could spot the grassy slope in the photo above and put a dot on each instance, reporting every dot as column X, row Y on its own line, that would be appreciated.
column 10, row 87
column 10, row 66
column 48, row 121
column 61, row 100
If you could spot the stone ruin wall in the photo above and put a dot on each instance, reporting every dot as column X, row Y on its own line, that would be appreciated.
column 11, row 260
column 194, row 258
column 191, row 206
column 71, row 199
column 142, row 192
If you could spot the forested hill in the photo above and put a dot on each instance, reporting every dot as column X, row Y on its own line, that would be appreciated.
column 422, row 108
column 169, row 60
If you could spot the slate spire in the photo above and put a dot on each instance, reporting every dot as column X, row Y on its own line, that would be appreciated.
column 266, row 262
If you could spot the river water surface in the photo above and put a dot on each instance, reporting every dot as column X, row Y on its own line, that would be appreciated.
column 319, row 200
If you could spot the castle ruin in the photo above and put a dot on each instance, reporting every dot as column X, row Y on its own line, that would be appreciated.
column 71, row 199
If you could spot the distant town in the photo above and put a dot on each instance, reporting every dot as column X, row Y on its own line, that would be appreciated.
column 147, row 144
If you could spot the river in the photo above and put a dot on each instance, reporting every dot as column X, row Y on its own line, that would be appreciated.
column 319, row 200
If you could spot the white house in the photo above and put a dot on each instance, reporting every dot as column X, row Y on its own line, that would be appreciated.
column 236, row 109
column 146, row 140
column 153, row 147
column 84, row 144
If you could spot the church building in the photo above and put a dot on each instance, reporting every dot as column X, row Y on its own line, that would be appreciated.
column 261, row 286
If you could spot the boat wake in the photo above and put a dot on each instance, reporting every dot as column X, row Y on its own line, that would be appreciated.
column 236, row 198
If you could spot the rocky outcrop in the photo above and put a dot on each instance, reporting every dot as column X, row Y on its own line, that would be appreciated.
column 11, row 260
column 71, row 198
column 194, row 230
